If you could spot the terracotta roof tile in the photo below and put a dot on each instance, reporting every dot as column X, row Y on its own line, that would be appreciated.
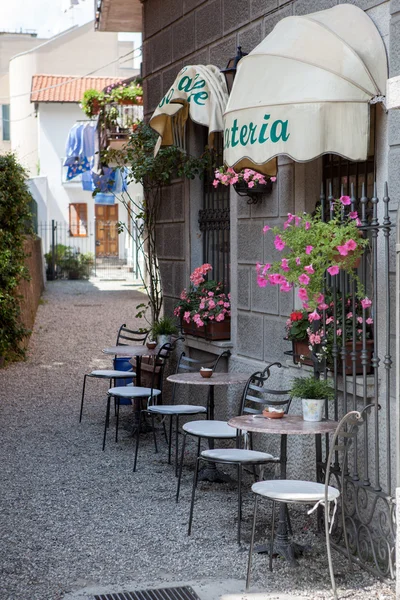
column 64, row 88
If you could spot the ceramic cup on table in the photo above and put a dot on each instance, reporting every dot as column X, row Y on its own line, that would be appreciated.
column 151, row 345
column 206, row 372
column 270, row 412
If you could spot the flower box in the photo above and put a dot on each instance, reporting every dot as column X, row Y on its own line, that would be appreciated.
column 243, row 189
column 349, row 361
column 212, row 331
column 300, row 348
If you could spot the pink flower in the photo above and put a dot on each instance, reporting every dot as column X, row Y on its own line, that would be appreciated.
column 211, row 304
column 250, row 184
column 290, row 217
column 220, row 303
column 276, row 279
column 227, row 305
column 286, row 225
column 369, row 321
column 304, row 279
column 345, row 200
column 211, row 317
column 266, row 228
column 351, row 245
column 339, row 332
column 297, row 220
column 320, row 298
column 349, row 315
column 358, row 223
column 266, row 268
column 334, row 270
column 298, row 261
column 343, row 250
column 302, row 294
column 366, row 303
column 309, row 249
column 353, row 214
column 279, row 243
column 360, row 320
column 183, row 295
column 210, row 294
column 307, row 225
column 314, row 316
column 273, row 179
column 359, row 331
column 215, row 183
column 286, row 287
column 177, row 311
column 329, row 320
column 261, row 281
column 323, row 306
column 224, row 178
column 309, row 269
column 220, row 317
column 285, row 265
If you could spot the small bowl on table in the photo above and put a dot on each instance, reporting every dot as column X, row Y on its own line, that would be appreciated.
column 151, row 345
column 273, row 413
column 206, row 373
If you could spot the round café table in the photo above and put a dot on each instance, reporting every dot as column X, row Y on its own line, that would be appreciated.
column 288, row 425
column 210, row 472
column 133, row 352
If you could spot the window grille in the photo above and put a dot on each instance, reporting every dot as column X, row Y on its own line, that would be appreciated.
column 214, row 222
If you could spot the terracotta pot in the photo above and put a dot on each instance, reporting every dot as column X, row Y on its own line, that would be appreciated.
column 213, row 330
column 339, row 259
column 300, row 348
column 349, row 362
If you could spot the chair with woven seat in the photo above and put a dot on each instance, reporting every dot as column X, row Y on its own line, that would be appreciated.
column 136, row 394
column 309, row 492
column 185, row 365
column 254, row 399
column 122, row 370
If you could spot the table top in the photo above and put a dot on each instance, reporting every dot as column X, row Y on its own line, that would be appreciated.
column 289, row 424
column 139, row 350
column 216, row 379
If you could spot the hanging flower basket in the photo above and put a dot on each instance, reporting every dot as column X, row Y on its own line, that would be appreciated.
column 254, row 193
column 247, row 183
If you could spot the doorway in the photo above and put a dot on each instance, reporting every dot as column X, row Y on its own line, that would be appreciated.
column 106, row 231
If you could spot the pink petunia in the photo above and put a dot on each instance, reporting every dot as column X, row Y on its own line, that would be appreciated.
column 358, row 223
column 314, row 316
column 309, row 249
column 266, row 268
column 276, row 279
column 349, row 315
column 279, row 243
column 351, row 245
column 290, row 217
column 343, row 250
column 353, row 214
column 369, row 321
column 307, row 225
column 302, row 294
column 366, row 303
column 251, row 184
column 286, row 287
column 273, row 179
column 262, row 282
column 323, row 306
column 298, row 261
column 309, row 269
column 210, row 294
column 215, row 183
column 186, row 317
column 339, row 332
column 220, row 317
column 345, row 200
column 297, row 220
column 329, row 320
column 285, row 264
column 304, row 279
column 266, row 228
column 334, row 270
column 360, row 320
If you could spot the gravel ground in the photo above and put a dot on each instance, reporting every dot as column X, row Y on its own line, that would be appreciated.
column 74, row 517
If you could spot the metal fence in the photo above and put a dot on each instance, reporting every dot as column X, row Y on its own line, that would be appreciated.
column 361, row 367
column 103, row 252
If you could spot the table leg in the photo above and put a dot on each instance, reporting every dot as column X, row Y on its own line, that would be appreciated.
column 209, row 471
column 318, row 459
column 282, row 545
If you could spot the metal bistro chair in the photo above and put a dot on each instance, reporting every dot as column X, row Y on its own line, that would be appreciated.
column 137, row 393
column 310, row 492
column 254, row 399
column 116, row 373
column 188, row 365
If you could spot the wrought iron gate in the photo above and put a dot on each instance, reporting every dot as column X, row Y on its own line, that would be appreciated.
column 363, row 375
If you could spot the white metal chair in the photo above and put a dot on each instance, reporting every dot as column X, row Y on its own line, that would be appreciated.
column 124, row 335
column 309, row 492
column 254, row 399
column 189, row 365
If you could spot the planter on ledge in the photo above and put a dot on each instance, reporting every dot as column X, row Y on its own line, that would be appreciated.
column 212, row 331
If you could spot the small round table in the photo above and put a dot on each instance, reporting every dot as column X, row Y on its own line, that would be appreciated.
column 133, row 351
column 210, row 472
column 288, row 425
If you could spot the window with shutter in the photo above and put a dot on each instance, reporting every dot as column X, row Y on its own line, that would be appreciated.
column 78, row 220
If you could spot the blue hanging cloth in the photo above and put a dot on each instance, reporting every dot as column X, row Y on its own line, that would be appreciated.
column 80, row 149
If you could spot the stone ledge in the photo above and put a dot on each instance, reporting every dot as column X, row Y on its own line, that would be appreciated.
column 207, row 346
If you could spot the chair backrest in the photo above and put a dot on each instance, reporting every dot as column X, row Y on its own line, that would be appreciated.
column 256, row 396
column 126, row 336
column 160, row 361
column 192, row 365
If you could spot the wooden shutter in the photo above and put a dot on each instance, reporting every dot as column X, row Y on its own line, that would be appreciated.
column 78, row 220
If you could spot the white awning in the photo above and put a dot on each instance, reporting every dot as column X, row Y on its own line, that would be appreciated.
column 305, row 90
column 202, row 94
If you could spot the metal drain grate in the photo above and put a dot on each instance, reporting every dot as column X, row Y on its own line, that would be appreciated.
column 177, row 593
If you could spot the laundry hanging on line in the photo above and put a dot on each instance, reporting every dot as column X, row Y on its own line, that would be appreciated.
column 80, row 149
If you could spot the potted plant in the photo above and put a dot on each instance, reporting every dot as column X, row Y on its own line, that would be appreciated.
column 163, row 329
column 297, row 327
column 127, row 93
column 313, row 393
column 53, row 259
column 74, row 265
column 204, row 309
column 311, row 247
column 92, row 102
column 246, row 182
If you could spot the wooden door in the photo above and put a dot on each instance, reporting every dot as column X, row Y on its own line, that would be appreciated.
column 106, row 230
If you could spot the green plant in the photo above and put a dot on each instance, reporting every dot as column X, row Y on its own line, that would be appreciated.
column 153, row 172
column 311, row 388
column 132, row 92
column 311, row 247
column 15, row 216
column 76, row 266
column 165, row 326
column 92, row 102
column 297, row 325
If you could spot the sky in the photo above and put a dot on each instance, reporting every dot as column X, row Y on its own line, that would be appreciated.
column 46, row 17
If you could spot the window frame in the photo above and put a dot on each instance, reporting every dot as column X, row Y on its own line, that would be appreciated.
column 81, row 223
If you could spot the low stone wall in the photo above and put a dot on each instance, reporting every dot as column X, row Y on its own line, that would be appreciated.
column 32, row 289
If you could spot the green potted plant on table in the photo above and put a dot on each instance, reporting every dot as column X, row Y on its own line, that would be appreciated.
column 163, row 329
column 313, row 393
column 204, row 309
